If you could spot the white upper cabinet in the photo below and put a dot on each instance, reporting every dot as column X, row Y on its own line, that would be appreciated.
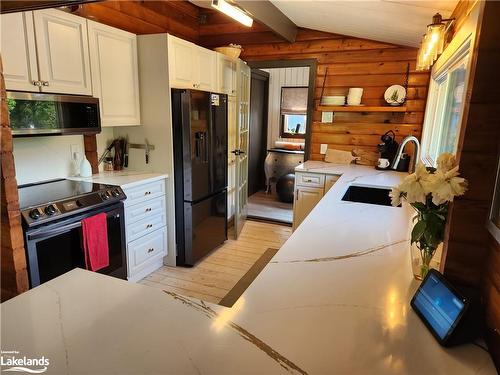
column 63, row 52
column 226, row 75
column 206, row 69
column 191, row 66
column 115, row 78
column 181, row 63
column 19, row 52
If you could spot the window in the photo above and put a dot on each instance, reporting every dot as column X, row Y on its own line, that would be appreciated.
column 293, row 110
column 494, row 222
column 445, row 106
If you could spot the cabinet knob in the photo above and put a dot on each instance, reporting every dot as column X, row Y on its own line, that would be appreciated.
column 37, row 83
column 147, row 193
column 148, row 209
column 151, row 249
column 45, row 83
column 149, row 226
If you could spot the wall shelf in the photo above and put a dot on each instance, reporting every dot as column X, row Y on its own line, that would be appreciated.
column 360, row 108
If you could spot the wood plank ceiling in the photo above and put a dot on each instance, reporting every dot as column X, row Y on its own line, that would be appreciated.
column 180, row 18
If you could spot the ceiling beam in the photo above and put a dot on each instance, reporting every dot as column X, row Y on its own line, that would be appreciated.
column 265, row 12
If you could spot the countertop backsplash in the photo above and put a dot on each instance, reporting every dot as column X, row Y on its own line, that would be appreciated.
column 46, row 158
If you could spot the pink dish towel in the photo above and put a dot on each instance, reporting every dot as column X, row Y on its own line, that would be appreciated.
column 95, row 242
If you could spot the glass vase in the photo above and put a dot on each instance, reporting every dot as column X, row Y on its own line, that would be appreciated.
column 423, row 260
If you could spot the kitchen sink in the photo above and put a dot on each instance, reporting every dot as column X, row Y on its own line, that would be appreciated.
column 370, row 195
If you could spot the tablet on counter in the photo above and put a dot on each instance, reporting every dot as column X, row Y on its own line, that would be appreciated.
column 439, row 306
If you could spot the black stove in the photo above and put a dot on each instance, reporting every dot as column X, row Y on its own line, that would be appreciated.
column 48, row 201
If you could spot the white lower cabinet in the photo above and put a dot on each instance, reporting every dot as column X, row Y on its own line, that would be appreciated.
column 309, row 189
column 145, row 228
column 305, row 200
column 330, row 180
column 146, row 254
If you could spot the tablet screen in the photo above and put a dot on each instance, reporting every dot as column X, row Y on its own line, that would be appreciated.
column 438, row 305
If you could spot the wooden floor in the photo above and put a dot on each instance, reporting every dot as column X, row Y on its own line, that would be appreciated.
column 215, row 275
column 268, row 206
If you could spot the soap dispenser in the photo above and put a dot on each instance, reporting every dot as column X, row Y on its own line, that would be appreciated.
column 85, row 167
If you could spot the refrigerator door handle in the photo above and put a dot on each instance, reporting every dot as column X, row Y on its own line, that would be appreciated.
column 205, row 146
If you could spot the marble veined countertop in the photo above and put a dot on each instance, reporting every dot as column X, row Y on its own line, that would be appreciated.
column 333, row 300
column 123, row 178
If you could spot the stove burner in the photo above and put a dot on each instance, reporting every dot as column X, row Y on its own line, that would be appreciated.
column 52, row 200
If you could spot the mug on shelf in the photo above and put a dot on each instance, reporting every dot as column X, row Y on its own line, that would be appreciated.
column 354, row 96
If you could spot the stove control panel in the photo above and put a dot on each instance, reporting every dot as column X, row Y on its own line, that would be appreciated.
column 55, row 210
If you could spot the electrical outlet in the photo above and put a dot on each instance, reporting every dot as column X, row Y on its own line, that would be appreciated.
column 75, row 152
column 323, row 148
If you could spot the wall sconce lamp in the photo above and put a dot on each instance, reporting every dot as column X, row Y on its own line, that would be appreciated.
column 432, row 44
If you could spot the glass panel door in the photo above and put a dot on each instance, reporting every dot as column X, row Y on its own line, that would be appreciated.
column 241, row 188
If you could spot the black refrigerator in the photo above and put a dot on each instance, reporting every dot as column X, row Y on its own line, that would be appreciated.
column 199, row 121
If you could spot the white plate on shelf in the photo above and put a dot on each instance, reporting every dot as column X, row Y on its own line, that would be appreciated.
column 333, row 100
column 395, row 95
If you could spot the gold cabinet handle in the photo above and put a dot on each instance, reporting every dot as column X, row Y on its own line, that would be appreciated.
column 45, row 83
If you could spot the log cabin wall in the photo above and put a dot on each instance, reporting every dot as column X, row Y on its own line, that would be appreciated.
column 471, row 254
column 351, row 62
column 14, row 278
column 490, row 284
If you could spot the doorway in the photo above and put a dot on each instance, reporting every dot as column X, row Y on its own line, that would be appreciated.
column 281, row 107
column 257, row 149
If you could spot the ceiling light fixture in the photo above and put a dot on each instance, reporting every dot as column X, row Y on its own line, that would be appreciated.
column 233, row 11
column 432, row 44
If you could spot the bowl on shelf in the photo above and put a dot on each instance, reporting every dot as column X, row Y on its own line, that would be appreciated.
column 333, row 100
column 231, row 51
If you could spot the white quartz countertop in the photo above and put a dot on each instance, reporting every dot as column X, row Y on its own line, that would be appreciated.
column 334, row 300
column 124, row 178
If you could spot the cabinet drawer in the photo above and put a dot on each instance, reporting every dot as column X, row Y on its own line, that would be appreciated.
column 310, row 179
column 140, row 211
column 330, row 180
column 146, row 248
column 139, row 194
column 145, row 226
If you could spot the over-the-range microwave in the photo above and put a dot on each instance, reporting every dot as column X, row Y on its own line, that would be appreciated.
column 51, row 114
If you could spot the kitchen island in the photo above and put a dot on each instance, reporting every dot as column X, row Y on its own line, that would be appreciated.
column 333, row 300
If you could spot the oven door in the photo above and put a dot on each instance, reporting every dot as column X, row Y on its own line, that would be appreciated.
column 55, row 249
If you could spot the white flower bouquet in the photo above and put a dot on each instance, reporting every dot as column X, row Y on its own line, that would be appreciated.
column 429, row 191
